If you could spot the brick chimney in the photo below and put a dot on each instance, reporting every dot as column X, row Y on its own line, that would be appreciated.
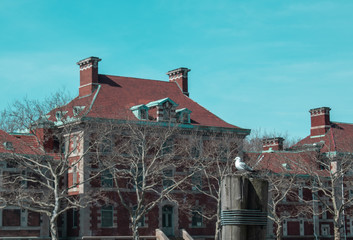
column 88, row 75
column 320, row 121
column 180, row 76
column 275, row 144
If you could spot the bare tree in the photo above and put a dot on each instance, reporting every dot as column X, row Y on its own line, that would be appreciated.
column 49, row 149
column 211, row 158
column 318, row 182
column 289, row 196
column 284, row 201
column 253, row 142
column 145, row 165
column 331, row 183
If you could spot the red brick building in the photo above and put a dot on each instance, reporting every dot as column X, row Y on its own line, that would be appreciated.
column 321, row 164
column 117, row 99
column 15, row 221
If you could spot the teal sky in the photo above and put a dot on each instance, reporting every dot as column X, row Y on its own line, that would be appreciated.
column 256, row 64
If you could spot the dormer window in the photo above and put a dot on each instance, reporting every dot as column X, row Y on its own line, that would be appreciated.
column 183, row 115
column 140, row 111
column 143, row 114
column 8, row 145
column 165, row 109
column 59, row 115
column 286, row 166
column 77, row 109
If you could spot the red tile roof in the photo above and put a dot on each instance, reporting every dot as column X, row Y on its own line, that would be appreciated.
column 338, row 138
column 21, row 144
column 116, row 95
column 290, row 162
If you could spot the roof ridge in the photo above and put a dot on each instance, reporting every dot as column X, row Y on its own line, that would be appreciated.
column 137, row 78
column 342, row 123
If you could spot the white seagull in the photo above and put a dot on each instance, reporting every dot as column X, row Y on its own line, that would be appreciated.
column 240, row 165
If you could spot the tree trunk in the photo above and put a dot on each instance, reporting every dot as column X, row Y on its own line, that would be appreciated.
column 279, row 232
column 135, row 231
column 53, row 229
column 54, row 215
column 337, row 233
column 217, row 235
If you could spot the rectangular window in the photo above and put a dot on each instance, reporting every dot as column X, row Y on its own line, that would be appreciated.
column 11, row 217
column 107, row 216
column 223, row 152
column 74, row 218
column 196, row 219
column 33, row 219
column 143, row 114
column 301, row 227
column 167, row 147
column 196, row 181
column 325, row 230
column 195, row 152
column 106, row 179
column 351, row 193
column 137, row 176
column 74, row 176
column 324, row 212
column 106, row 145
column 64, row 146
column 284, row 225
column 167, row 178
column 23, row 180
column 74, row 144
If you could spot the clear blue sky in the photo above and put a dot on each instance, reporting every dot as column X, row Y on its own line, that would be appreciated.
column 256, row 64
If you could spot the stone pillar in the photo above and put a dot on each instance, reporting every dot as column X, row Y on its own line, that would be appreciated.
column 244, row 207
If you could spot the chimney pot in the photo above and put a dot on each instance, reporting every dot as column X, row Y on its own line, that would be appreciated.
column 180, row 76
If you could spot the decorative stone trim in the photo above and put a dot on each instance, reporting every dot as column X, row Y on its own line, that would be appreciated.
column 178, row 73
column 320, row 111
column 322, row 126
column 115, row 216
column 88, row 63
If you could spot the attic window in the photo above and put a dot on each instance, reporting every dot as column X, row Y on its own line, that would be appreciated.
column 59, row 115
column 140, row 111
column 143, row 114
column 8, row 145
column 183, row 115
column 286, row 166
column 77, row 109
column 167, row 109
